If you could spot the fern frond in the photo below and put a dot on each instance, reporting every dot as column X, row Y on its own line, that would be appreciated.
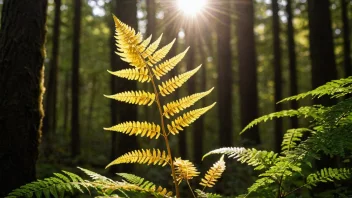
column 213, row 174
column 172, row 84
column 328, row 175
column 95, row 176
column 202, row 194
column 134, row 97
column 160, row 54
column 260, row 183
column 186, row 119
column 55, row 186
column 185, row 170
column 168, row 65
column 312, row 111
column 139, row 74
column 151, row 48
column 144, row 44
column 146, row 156
column 291, row 137
column 176, row 106
column 147, row 129
column 253, row 157
column 146, row 185
column 128, row 44
column 335, row 89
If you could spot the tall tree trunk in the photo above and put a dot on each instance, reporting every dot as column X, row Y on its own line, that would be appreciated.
column 66, row 100
column 277, row 71
column 292, row 60
column 49, row 122
column 127, row 12
column 113, row 86
column 75, row 136
column 321, row 45
column 323, row 61
column 22, row 54
column 225, row 98
column 248, row 70
column 346, row 38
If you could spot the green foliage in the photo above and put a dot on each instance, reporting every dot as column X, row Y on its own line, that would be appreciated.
column 329, row 134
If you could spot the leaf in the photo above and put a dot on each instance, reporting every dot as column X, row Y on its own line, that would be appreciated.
column 152, row 47
column 160, row 54
column 186, row 119
column 172, row 84
column 213, row 174
column 184, row 170
column 146, row 156
column 134, row 97
column 139, row 74
column 150, row 130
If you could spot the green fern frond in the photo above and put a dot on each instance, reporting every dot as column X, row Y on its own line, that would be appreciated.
column 151, row 48
column 311, row 111
column 187, row 118
column 185, row 170
column 172, row 84
column 291, row 137
column 146, row 156
column 134, row 97
column 260, row 183
column 168, row 65
column 95, row 176
column 253, row 157
column 175, row 107
column 160, row 54
column 202, row 194
column 147, row 129
column 213, row 174
column 328, row 175
column 335, row 89
column 148, row 186
column 139, row 74
column 56, row 186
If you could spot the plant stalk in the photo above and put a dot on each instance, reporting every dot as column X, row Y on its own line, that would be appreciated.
column 164, row 132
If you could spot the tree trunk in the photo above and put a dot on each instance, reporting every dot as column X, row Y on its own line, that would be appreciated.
column 346, row 38
column 321, row 45
column 292, row 60
column 66, row 100
column 248, row 70
column 127, row 12
column 22, row 54
column 277, row 71
column 224, row 87
column 75, row 136
column 49, row 122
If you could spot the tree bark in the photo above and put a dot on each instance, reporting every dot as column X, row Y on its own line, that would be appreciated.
column 248, row 70
column 346, row 39
column 321, row 45
column 292, row 60
column 22, row 54
column 277, row 71
column 224, row 87
column 49, row 122
column 75, row 134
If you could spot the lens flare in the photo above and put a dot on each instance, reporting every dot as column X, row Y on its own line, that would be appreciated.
column 191, row 7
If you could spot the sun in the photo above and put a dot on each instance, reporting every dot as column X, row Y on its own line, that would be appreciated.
column 191, row 7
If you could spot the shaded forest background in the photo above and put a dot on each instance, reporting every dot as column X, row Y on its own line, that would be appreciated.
column 255, row 53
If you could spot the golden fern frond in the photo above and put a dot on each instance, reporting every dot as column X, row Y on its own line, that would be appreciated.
column 168, row 65
column 160, row 54
column 151, row 48
column 128, row 44
column 144, row 44
column 214, row 173
column 186, row 119
column 146, row 156
column 150, row 130
column 172, row 84
column 140, row 75
column 134, row 97
column 176, row 106
column 184, row 169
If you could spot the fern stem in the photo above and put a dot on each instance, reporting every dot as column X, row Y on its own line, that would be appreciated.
column 157, row 99
column 189, row 186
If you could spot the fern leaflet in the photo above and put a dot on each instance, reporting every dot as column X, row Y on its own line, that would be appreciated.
column 160, row 54
column 150, row 130
column 134, row 97
column 328, row 175
column 185, row 170
column 213, row 174
column 140, row 75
